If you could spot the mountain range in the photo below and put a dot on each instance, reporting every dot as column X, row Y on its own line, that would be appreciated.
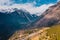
column 12, row 21
column 50, row 17
column 21, row 19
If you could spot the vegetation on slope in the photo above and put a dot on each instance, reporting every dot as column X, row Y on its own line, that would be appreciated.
column 54, row 32
column 22, row 34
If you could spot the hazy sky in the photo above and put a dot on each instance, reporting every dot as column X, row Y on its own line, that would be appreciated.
column 33, row 6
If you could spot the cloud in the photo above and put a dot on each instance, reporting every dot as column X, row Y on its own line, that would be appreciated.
column 58, row 0
column 27, row 6
column 37, row 10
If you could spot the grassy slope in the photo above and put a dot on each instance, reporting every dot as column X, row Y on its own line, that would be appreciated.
column 54, row 32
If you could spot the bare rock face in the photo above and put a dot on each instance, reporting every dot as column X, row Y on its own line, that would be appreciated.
column 50, row 16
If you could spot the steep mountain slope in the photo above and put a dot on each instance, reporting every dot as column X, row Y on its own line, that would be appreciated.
column 12, row 21
column 49, row 17
column 47, row 33
column 20, row 19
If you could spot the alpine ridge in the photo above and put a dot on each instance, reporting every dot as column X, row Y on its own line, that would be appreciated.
column 12, row 21
column 50, row 17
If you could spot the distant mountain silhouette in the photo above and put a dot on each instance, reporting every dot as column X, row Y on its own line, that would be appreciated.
column 12, row 21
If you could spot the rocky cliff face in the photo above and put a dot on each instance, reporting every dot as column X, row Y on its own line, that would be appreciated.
column 49, row 17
